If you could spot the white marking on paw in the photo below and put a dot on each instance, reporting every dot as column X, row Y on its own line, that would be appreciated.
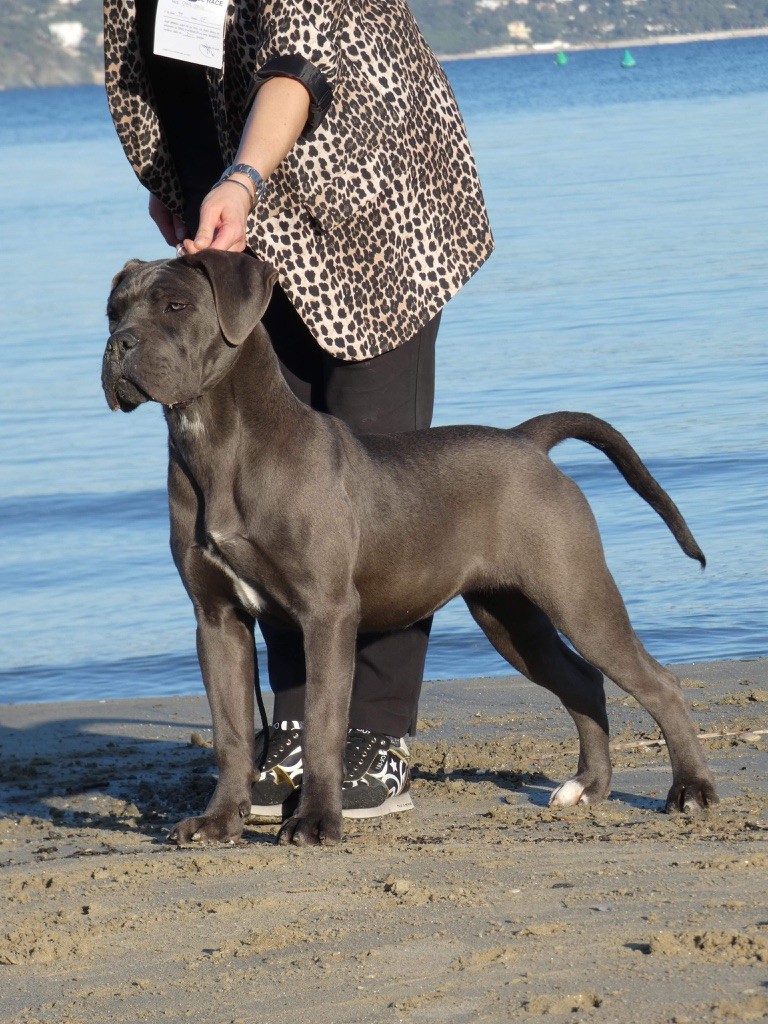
column 568, row 795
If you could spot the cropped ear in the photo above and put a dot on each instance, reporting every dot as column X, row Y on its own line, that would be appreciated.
column 242, row 287
column 129, row 266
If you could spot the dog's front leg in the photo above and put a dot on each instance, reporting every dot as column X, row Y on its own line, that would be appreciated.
column 227, row 659
column 329, row 648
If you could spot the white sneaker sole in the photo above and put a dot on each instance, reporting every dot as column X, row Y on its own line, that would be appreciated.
column 392, row 805
column 267, row 812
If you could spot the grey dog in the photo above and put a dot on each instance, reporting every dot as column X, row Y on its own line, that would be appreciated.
column 280, row 512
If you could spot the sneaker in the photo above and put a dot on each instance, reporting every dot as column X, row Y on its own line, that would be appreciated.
column 280, row 778
column 376, row 775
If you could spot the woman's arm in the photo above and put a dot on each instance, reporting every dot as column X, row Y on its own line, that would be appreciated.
column 277, row 118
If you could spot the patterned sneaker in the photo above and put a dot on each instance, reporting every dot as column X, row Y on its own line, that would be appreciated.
column 376, row 775
column 280, row 778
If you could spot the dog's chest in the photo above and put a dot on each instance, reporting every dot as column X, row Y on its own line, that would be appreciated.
column 247, row 594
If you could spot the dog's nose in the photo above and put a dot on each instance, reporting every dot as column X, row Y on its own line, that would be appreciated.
column 121, row 342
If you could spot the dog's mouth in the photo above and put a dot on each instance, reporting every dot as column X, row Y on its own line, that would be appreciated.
column 125, row 396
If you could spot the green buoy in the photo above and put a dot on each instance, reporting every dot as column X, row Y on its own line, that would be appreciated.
column 628, row 61
column 561, row 59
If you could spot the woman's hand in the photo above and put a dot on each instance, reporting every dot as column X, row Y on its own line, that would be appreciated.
column 275, row 122
column 223, row 217
column 171, row 227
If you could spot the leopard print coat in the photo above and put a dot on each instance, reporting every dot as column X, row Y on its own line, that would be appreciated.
column 376, row 217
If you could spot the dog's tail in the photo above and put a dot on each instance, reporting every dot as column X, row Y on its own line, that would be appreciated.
column 549, row 430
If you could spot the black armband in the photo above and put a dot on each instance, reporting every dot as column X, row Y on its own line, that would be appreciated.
column 293, row 65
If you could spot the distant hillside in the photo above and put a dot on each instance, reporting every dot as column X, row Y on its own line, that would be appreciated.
column 58, row 42
column 454, row 26
column 50, row 42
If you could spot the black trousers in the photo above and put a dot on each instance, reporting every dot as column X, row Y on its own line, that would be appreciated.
column 390, row 393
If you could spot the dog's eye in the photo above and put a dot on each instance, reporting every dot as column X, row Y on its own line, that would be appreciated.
column 175, row 307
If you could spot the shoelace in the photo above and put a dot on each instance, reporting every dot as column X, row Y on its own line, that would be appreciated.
column 279, row 742
column 359, row 747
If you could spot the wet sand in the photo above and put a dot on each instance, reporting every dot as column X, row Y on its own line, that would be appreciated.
column 482, row 904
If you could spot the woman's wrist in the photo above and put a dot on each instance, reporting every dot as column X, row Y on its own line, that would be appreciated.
column 247, row 178
column 250, row 173
column 243, row 183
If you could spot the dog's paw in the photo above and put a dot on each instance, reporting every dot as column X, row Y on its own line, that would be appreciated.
column 569, row 794
column 208, row 829
column 691, row 796
column 588, row 787
column 312, row 830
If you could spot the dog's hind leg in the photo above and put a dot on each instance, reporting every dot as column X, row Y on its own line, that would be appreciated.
column 586, row 607
column 525, row 636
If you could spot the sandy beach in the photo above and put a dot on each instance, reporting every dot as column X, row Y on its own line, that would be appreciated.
column 481, row 904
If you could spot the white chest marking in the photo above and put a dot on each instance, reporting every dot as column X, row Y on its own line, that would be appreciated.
column 246, row 594
column 190, row 424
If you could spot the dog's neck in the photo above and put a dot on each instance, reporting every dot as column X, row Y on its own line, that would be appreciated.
column 252, row 404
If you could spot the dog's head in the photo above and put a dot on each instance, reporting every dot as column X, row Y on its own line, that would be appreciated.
column 176, row 325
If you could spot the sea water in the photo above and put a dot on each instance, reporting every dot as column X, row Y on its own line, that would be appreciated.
column 629, row 280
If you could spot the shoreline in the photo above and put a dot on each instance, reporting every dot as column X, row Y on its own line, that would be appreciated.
column 25, row 726
column 534, row 49
column 96, row 76
column 454, row 681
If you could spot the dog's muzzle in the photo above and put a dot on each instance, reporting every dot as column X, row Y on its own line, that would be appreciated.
column 122, row 394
